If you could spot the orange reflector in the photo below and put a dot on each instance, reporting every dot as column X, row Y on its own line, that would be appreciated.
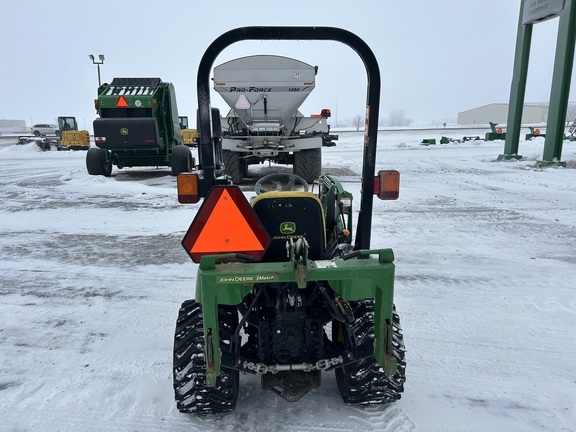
column 499, row 130
column 121, row 102
column 387, row 185
column 188, row 188
column 537, row 131
column 225, row 223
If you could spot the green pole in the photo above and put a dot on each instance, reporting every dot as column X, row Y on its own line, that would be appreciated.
column 559, row 93
column 517, row 89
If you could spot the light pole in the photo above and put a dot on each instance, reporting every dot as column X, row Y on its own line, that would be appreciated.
column 98, row 63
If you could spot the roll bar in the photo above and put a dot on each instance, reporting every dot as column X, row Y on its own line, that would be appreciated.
column 207, row 149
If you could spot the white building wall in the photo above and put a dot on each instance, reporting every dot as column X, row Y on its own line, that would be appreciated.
column 13, row 126
column 498, row 113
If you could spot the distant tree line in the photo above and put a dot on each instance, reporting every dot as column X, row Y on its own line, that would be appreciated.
column 396, row 117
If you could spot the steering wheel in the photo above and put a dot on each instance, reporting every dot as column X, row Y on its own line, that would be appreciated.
column 280, row 182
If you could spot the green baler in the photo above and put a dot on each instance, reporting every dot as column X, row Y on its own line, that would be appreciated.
column 138, row 125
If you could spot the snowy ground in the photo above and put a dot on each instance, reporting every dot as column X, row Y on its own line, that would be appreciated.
column 92, row 275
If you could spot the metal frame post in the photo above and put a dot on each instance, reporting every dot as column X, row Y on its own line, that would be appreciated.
column 560, row 92
column 517, row 89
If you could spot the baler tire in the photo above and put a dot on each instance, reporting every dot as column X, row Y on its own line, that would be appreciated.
column 365, row 382
column 191, row 391
column 106, row 168
column 234, row 166
column 96, row 162
column 308, row 164
column 181, row 159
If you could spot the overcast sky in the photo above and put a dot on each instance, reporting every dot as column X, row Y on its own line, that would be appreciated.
column 437, row 58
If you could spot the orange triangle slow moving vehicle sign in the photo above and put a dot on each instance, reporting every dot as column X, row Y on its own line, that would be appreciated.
column 225, row 223
column 121, row 102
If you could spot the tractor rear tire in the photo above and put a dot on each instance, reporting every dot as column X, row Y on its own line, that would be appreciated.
column 365, row 382
column 181, row 160
column 191, row 391
column 96, row 162
column 308, row 164
column 234, row 166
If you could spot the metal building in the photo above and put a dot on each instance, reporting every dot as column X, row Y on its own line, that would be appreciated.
column 498, row 113
column 12, row 126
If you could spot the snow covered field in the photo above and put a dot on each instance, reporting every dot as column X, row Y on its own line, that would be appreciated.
column 92, row 275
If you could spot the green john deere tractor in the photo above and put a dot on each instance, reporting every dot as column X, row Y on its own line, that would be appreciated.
column 284, row 288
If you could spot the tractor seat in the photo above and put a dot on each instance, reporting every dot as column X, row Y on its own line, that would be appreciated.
column 291, row 214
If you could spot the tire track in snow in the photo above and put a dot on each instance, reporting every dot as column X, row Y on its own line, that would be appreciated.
column 48, row 420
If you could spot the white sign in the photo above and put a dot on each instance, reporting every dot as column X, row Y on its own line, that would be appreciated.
column 541, row 10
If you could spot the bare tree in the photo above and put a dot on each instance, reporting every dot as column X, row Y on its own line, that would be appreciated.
column 397, row 117
column 358, row 121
